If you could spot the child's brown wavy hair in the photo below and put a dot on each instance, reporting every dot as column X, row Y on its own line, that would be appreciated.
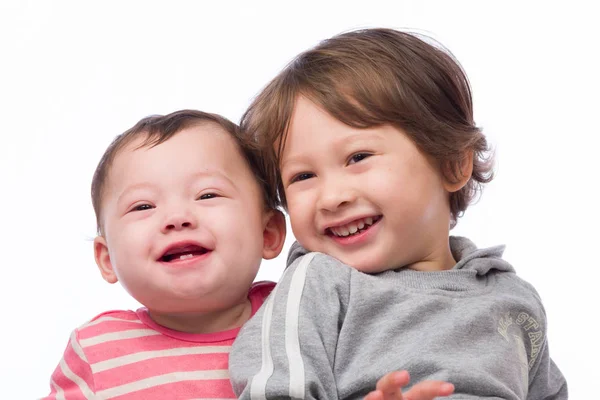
column 372, row 77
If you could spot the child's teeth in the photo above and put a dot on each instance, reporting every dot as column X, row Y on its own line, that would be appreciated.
column 185, row 256
column 352, row 228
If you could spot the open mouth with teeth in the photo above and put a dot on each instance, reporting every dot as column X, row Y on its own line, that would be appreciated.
column 183, row 253
column 353, row 228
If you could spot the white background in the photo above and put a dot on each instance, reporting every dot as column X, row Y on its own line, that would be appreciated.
column 74, row 75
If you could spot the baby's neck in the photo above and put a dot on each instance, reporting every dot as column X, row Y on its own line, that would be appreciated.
column 211, row 322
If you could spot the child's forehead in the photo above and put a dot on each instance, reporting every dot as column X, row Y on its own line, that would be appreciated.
column 310, row 117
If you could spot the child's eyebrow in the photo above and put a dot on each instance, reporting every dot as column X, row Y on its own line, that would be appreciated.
column 356, row 139
column 364, row 135
column 287, row 161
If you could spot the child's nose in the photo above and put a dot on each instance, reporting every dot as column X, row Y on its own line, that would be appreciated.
column 335, row 194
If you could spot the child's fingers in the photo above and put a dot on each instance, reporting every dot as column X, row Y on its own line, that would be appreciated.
column 375, row 395
column 389, row 388
column 393, row 381
column 391, row 384
column 428, row 390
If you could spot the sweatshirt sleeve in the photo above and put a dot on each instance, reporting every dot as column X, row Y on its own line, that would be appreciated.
column 288, row 349
column 545, row 379
column 72, row 378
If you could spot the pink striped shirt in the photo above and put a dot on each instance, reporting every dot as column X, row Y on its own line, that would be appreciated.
column 126, row 355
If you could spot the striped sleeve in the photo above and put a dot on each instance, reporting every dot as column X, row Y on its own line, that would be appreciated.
column 125, row 355
column 72, row 379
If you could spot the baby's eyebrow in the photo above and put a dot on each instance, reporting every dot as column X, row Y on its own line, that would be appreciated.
column 211, row 173
column 207, row 174
column 133, row 188
column 214, row 174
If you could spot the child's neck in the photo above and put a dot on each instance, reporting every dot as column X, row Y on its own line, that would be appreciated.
column 440, row 259
column 217, row 321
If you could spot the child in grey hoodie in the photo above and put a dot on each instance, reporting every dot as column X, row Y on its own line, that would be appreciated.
column 371, row 139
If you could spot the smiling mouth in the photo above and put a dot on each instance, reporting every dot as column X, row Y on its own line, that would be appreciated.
column 353, row 228
column 183, row 253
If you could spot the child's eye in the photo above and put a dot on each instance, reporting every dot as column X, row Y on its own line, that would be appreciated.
column 207, row 196
column 302, row 177
column 142, row 207
column 358, row 157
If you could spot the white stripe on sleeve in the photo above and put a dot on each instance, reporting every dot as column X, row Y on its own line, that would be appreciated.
column 292, row 339
column 258, row 386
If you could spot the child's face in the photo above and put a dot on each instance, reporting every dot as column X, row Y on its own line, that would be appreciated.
column 184, row 223
column 372, row 183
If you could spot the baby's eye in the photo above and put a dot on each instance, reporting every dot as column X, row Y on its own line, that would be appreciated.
column 207, row 196
column 142, row 207
column 358, row 157
column 302, row 177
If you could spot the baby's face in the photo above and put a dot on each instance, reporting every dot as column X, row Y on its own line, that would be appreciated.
column 368, row 197
column 184, row 222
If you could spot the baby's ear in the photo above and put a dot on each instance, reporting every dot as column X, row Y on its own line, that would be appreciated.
column 273, row 234
column 103, row 260
column 456, row 176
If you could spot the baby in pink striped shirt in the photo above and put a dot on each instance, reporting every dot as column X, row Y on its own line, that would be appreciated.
column 185, row 215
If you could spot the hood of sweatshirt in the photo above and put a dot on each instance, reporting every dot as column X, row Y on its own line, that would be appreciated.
column 468, row 257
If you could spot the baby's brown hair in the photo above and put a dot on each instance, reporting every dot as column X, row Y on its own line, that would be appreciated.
column 157, row 129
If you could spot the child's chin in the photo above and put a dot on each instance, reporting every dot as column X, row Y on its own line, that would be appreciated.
column 368, row 268
column 367, row 263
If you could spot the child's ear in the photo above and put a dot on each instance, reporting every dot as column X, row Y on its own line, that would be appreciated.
column 456, row 178
column 103, row 260
column 273, row 234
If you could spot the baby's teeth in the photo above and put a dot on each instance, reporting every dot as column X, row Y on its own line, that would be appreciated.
column 361, row 224
column 186, row 256
column 369, row 221
column 352, row 229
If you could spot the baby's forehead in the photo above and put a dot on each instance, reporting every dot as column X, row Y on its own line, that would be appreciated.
column 198, row 152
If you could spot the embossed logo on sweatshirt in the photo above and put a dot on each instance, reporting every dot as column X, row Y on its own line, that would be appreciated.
column 524, row 326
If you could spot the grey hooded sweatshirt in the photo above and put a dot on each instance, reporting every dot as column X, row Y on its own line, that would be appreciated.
column 328, row 331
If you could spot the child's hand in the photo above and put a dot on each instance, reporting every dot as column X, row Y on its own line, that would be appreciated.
column 389, row 388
